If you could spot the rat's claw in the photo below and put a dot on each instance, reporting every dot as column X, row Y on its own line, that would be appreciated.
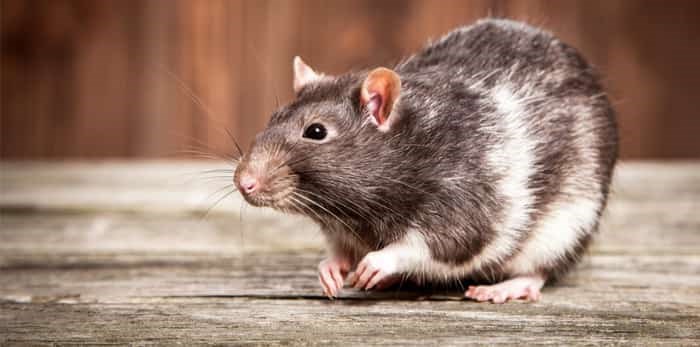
column 337, row 278
column 377, row 278
column 329, row 286
column 364, row 277
column 330, row 275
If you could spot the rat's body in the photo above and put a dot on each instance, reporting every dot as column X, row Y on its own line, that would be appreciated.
column 486, row 156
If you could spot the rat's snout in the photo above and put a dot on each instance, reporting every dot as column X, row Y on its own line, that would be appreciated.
column 263, row 181
column 250, row 179
column 247, row 183
column 262, row 176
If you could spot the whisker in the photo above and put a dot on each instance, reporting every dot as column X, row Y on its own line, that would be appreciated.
column 217, row 202
column 285, row 163
column 323, row 208
column 329, row 178
column 235, row 143
column 240, row 214
column 349, row 228
column 300, row 160
column 357, row 210
column 209, row 155
column 219, row 190
column 305, row 206
column 206, row 175
column 197, row 144
column 202, row 106
column 216, row 171
column 197, row 155
column 214, row 178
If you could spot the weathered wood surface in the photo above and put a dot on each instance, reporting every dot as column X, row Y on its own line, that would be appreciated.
column 117, row 253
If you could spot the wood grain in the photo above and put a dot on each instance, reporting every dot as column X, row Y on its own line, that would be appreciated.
column 118, row 253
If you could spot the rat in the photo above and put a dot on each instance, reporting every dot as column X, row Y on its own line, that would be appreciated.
column 487, row 157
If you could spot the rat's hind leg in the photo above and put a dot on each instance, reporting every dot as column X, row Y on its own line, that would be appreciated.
column 521, row 287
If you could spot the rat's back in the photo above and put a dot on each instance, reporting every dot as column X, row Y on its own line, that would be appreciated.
column 553, row 140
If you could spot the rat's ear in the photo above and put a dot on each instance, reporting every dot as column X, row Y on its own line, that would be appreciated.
column 303, row 74
column 379, row 94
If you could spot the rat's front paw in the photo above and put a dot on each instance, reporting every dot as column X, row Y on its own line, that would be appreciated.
column 375, row 268
column 331, row 274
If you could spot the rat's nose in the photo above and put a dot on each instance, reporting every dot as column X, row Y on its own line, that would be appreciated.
column 248, row 183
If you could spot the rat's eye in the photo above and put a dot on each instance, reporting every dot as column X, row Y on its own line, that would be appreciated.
column 315, row 131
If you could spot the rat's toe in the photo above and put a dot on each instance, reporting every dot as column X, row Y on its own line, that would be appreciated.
column 525, row 287
column 330, row 276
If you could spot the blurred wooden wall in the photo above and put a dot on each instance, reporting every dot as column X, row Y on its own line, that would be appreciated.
column 109, row 78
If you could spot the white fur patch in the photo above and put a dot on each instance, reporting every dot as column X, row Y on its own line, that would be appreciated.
column 514, row 159
column 574, row 212
column 416, row 260
column 557, row 233
column 408, row 255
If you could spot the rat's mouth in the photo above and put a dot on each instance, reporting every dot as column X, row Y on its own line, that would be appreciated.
column 261, row 199
column 281, row 200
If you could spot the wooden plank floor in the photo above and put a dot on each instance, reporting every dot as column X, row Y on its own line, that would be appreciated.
column 120, row 253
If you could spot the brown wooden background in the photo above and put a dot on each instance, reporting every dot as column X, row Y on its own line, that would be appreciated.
column 109, row 78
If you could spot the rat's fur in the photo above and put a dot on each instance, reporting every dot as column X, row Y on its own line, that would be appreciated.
column 497, row 162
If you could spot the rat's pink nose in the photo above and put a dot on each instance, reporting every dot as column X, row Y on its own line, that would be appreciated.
column 248, row 183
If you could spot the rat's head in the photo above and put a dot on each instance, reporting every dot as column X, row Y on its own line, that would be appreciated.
column 323, row 150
